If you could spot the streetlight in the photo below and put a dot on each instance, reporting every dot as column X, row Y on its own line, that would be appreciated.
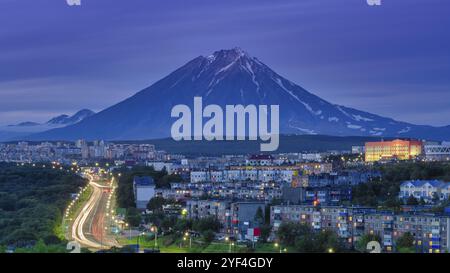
column 184, row 212
column 154, row 229
column 188, row 235
column 277, row 245
column 330, row 250
column 129, row 230
column 139, row 238
column 227, row 239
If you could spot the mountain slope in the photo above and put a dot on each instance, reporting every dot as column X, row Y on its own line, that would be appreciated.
column 24, row 129
column 233, row 77
column 67, row 120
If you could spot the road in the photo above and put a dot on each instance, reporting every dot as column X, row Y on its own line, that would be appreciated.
column 89, row 225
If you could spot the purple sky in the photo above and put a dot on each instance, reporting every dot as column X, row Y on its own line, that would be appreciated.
column 392, row 60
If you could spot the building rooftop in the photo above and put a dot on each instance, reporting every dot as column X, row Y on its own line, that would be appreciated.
column 143, row 181
column 261, row 157
column 420, row 183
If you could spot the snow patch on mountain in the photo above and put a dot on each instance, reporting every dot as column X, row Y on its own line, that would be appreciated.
column 307, row 106
column 375, row 133
column 405, row 130
column 353, row 126
column 361, row 118
column 252, row 74
column 303, row 130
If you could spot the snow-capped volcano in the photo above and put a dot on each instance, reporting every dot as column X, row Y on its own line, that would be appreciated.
column 234, row 77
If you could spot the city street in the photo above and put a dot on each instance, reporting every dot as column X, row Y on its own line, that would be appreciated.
column 90, row 225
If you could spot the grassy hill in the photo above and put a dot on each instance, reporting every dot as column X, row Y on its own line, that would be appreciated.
column 288, row 143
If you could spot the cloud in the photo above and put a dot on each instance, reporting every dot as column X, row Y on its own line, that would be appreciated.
column 57, row 58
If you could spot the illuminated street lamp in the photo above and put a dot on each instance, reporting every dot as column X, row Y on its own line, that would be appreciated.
column 129, row 230
column 184, row 212
column 277, row 245
column 154, row 229
column 138, row 239
column 231, row 243
column 186, row 236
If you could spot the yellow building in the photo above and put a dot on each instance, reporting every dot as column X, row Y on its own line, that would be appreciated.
column 396, row 149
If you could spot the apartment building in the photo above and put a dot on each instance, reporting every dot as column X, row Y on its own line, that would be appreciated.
column 427, row 190
column 431, row 231
column 396, row 149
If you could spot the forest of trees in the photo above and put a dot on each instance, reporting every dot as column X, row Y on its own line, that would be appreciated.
column 125, row 195
column 385, row 192
column 302, row 238
column 32, row 201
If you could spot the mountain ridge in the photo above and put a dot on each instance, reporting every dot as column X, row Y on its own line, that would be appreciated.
column 234, row 77
column 23, row 130
column 61, row 119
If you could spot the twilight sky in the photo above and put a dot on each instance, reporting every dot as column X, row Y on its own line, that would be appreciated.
column 392, row 60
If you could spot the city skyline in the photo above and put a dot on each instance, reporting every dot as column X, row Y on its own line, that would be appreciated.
column 57, row 59
column 254, row 128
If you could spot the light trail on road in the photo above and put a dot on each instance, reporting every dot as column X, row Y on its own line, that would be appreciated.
column 86, row 219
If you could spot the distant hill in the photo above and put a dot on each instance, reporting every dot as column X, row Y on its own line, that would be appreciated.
column 68, row 120
column 288, row 144
column 23, row 129
column 25, row 124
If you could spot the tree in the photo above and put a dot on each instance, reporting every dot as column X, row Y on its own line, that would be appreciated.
column 405, row 243
column 318, row 242
column 182, row 225
column 168, row 223
column 435, row 197
column 422, row 201
column 208, row 223
column 305, row 244
column 412, row 201
column 289, row 232
column 329, row 241
column 393, row 203
column 266, row 229
column 267, row 214
column 361, row 244
column 376, row 193
column 165, row 180
column 208, row 236
column 156, row 203
column 133, row 217
column 259, row 217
